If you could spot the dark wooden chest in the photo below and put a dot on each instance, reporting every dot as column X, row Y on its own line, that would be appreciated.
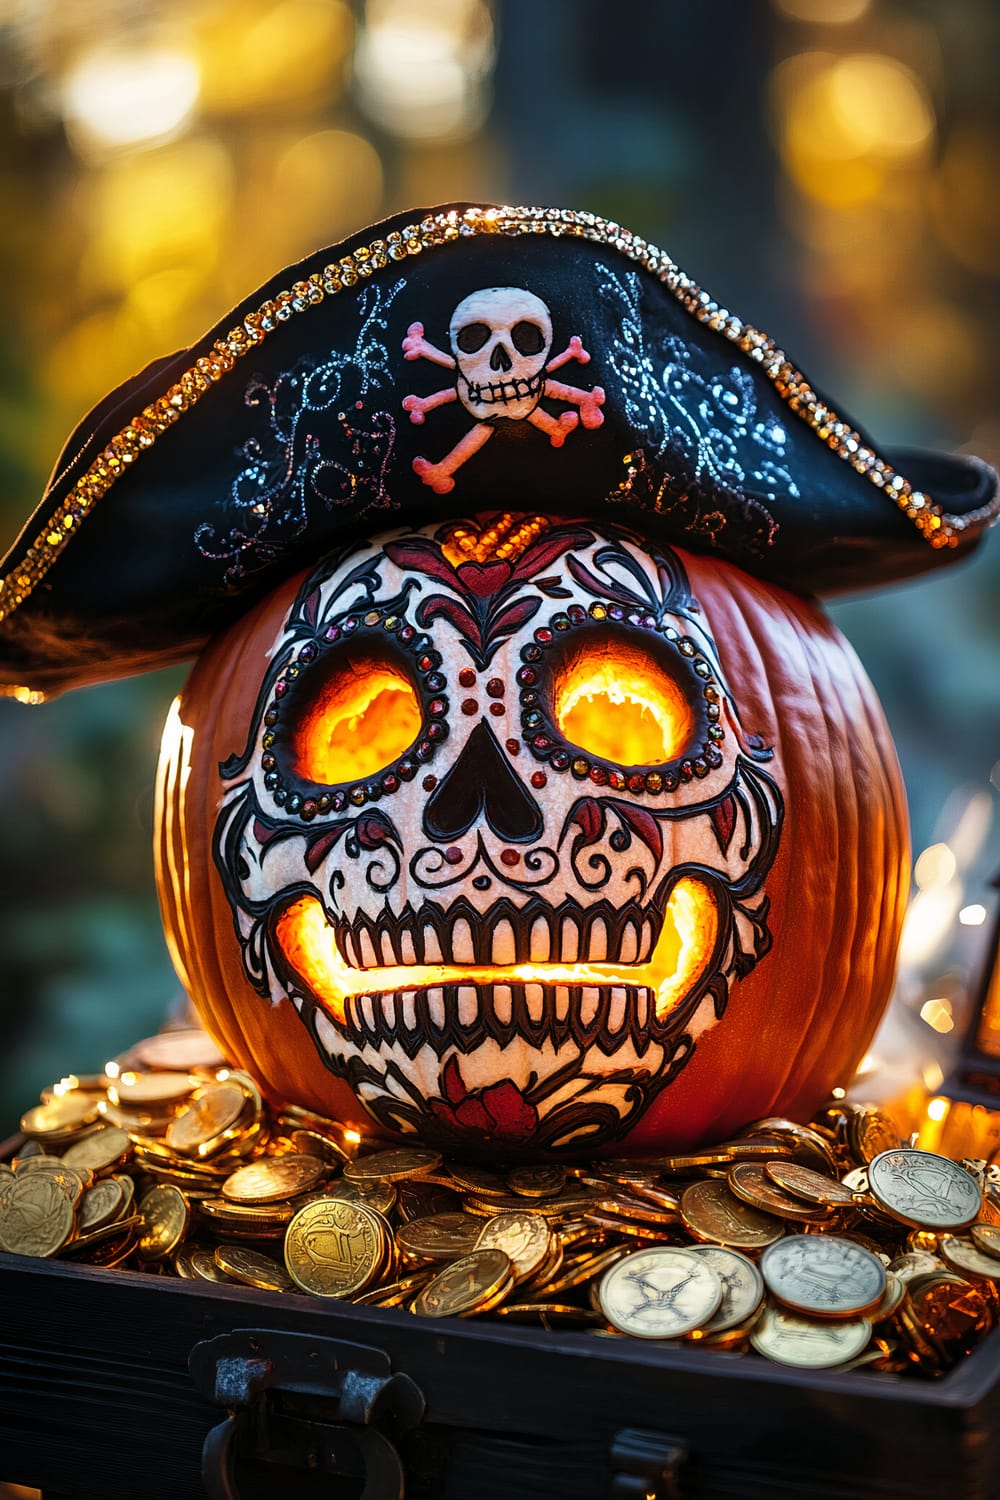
column 119, row 1384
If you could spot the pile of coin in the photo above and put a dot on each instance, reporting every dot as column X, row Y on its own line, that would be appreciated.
column 832, row 1244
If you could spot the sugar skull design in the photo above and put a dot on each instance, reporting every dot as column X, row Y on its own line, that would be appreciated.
column 497, row 830
column 501, row 339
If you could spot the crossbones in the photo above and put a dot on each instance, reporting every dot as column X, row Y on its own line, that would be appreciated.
column 501, row 337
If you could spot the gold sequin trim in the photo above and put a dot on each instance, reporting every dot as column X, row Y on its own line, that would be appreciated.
column 141, row 433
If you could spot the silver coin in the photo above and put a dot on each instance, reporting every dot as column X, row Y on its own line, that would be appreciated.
column 791, row 1340
column 925, row 1190
column 660, row 1293
column 987, row 1238
column 823, row 1276
column 742, row 1287
column 965, row 1256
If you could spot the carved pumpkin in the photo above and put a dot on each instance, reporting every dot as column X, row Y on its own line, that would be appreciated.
column 536, row 838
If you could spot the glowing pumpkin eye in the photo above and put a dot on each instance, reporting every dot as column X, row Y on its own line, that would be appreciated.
column 619, row 703
column 365, row 714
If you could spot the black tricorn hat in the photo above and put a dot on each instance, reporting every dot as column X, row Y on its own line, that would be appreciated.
column 440, row 364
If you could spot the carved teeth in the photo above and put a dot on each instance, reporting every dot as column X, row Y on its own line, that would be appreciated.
column 534, row 997
column 468, row 1005
column 435, row 1008
column 541, row 945
column 569, row 941
column 590, row 1000
column 597, row 941
column 432, row 948
column 502, row 1003
column 462, row 950
column 504, row 949
column 628, row 950
column 500, row 935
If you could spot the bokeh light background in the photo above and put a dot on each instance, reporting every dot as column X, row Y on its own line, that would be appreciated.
column 829, row 168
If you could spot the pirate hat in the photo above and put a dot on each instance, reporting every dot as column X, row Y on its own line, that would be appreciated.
column 437, row 365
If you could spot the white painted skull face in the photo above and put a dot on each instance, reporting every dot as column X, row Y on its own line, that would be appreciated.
column 501, row 338
column 497, row 832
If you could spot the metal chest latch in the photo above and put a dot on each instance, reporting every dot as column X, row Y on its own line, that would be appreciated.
column 646, row 1465
column 296, row 1401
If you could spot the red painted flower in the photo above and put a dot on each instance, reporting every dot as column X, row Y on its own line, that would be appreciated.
column 499, row 1111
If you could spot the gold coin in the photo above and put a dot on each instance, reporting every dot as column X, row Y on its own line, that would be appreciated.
column 548, row 1313
column 477, row 1180
column 965, row 1257
column 163, row 1220
column 803, row 1140
column 36, row 1217
column 177, row 1051
column 924, row 1190
column 660, row 1293
column 790, row 1339
column 870, row 1132
column 253, row 1269
column 440, row 1236
column 749, row 1181
column 379, row 1195
column 202, row 1264
column 742, row 1288
column 207, row 1119
column 579, row 1271
column 712, row 1212
column 987, row 1238
column 524, row 1237
column 131, row 1089
column 101, row 1204
column 537, row 1182
column 71, row 1182
column 221, row 1211
column 636, row 1210
column 274, row 1177
column 945, row 1314
column 803, row 1182
column 823, row 1276
column 468, row 1285
column 393, row 1165
column 102, row 1149
column 113, row 1231
column 334, row 1248
column 61, row 1117
column 423, row 1200
column 895, row 1291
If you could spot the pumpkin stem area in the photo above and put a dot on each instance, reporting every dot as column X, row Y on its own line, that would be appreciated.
column 683, row 951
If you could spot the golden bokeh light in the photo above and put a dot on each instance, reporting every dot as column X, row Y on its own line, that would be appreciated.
column 421, row 66
column 257, row 54
column 823, row 12
column 119, row 95
column 844, row 122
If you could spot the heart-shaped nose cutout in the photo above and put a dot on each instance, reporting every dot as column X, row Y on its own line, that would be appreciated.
column 482, row 782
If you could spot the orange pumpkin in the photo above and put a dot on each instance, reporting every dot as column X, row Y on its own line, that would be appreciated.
column 566, row 843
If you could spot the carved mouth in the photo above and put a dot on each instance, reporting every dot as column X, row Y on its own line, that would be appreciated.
column 499, row 392
column 503, row 934
column 595, row 1001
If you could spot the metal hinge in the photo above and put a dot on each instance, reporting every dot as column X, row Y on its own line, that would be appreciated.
column 646, row 1465
column 297, row 1401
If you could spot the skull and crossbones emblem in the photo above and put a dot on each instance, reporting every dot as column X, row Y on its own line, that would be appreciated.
column 501, row 339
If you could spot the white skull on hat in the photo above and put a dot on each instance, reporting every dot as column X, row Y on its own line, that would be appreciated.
column 501, row 339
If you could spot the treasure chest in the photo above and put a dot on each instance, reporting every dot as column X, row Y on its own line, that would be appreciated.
column 115, row 1383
